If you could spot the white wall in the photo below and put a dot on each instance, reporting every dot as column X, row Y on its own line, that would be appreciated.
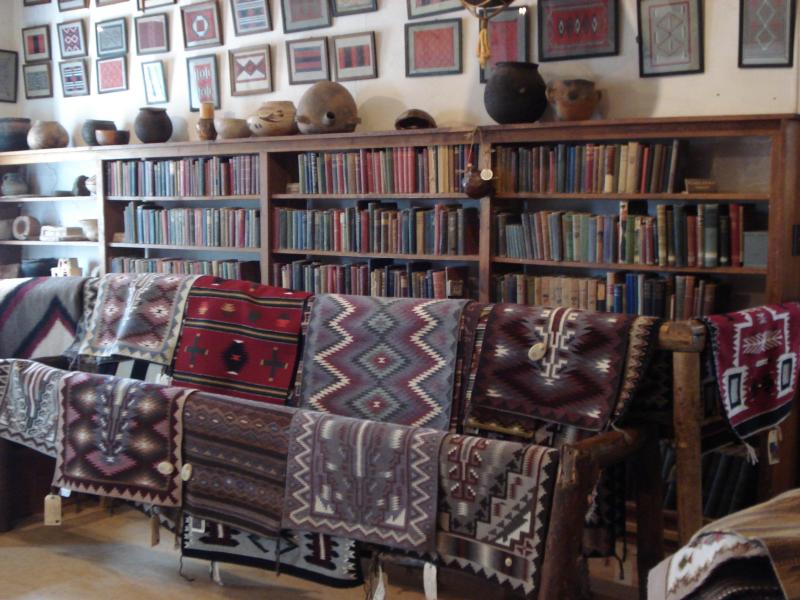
column 454, row 99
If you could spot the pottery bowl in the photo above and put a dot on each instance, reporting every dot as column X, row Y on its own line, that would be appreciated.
column 229, row 129
column 112, row 137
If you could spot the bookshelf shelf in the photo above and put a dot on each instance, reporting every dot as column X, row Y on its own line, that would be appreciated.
column 183, row 248
column 682, row 197
column 21, row 199
column 42, row 243
column 425, row 257
column 760, row 271
column 416, row 196
column 243, row 198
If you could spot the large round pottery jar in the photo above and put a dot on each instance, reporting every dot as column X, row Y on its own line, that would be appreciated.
column 47, row 134
column 515, row 93
column 90, row 128
column 273, row 118
column 14, row 134
column 327, row 107
column 152, row 125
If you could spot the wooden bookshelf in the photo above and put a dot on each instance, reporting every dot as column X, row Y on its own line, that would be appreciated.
column 25, row 199
column 180, row 248
column 393, row 256
column 720, row 197
column 231, row 197
column 415, row 196
column 83, row 243
column 563, row 264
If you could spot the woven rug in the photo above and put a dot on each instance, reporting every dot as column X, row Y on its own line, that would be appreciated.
column 238, row 451
column 137, row 316
column 29, row 404
column 240, row 339
column 755, row 357
column 373, row 482
column 120, row 438
column 382, row 359
column 495, row 508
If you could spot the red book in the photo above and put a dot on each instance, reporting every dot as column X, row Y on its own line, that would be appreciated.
column 734, row 212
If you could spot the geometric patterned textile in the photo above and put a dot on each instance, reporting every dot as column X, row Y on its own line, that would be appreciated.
column 120, row 438
column 382, row 359
column 29, row 404
column 240, row 339
column 137, row 316
column 639, row 368
column 495, row 508
column 373, row 482
column 755, row 357
column 237, row 450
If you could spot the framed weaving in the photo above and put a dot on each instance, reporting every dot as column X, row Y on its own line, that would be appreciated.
column 152, row 34
column 766, row 33
column 34, row 2
column 74, row 81
column 354, row 56
column 433, row 48
column 201, row 25
column 72, row 4
column 508, row 39
column 9, row 62
column 307, row 60
column 112, row 75
column 112, row 37
column 250, row 70
column 38, row 80
column 570, row 29
column 670, row 37
column 150, row 4
column 155, row 83
column 203, row 82
column 72, row 39
column 36, row 43
column 250, row 16
column 302, row 15
column 342, row 8
column 100, row 3
column 419, row 9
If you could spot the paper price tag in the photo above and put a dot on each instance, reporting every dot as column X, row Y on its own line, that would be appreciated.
column 52, row 510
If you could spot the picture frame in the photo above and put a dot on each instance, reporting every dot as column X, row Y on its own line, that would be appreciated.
column 766, row 38
column 575, row 29
column 152, row 34
column 34, row 2
column 307, row 60
column 111, row 37
column 9, row 65
column 112, row 74
column 101, row 3
column 302, row 15
column 38, row 79
column 250, row 16
column 250, row 70
column 154, row 82
column 72, row 39
column 433, row 48
column 508, row 39
column 65, row 5
column 36, row 43
column 682, row 59
column 74, row 78
column 354, row 56
column 420, row 9
column 343, row 8
column 203, row 81
column 144, row 5
column 201, row 25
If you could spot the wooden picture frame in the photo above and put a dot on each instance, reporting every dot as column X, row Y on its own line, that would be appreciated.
column 509, row 39
column 424, row 44
column 101, row 3
column 766, row 40
column 250, row 16
column 65, row 5
column 421, row 9
column 680, row 61
column 343, row 8
column 38, row 79
column 9, row 66
column 154, row 82
column 112, row 74
column 36, row 43
column 145, row 5
column 34, row 2
column 201, row 25
column 152, row 34
column 74, row 78
column 203, row 81
column 72, row 39
column 570, row 29
column 307, row 60
column 354, row 56
column 317, row 15
column 111, row 37
column 250, row 70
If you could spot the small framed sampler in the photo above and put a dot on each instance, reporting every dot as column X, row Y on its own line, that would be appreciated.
column 342, row 8
column 201, row 25
column 152, row 34
column 72, row 39
column 570, row 29
column 203, row 82
column 308, row 60
column 112, row 75
column 108, row 2
column 34, row 2
column 301, row 15
column 151, row 4
column 38, row 80
column 433, row 48
column 508, row 39
column 354, row 56
column 72, row 4
column 74, row 81
column 9, row 61
column 670, row 37
column 419, row 9
column 36, row 43
column 111, row 37
column 250, row 70
column 250, row 16
column 766, row 33
column 155, row 83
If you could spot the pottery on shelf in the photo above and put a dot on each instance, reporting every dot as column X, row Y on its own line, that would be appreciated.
column 107, row 137
column 89, row 227
column 14, row 134
column 26, row 227
column 414, row 119
column 79, row 187
column 206, row 132
column 327, row 107
column 91, row 126
column 230, row 129
column 14, row 184
column 152, row 125
column 515, row 93
column 91, row 184
column 573, row 99
column 273, row 118
column 47, row 134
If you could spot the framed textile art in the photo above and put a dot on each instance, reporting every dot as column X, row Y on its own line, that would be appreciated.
column 308, row 60
column 201, row 25
column 670, row 37
column 433, row 48
column 155, row 83
column 570, row 29
column 149, row 4
column 108, row 2
column 112, row 75
column 72, row 39
column 112, row 37
column 203, row 82
column 342, row 8
column 9, row 61
column 152, row 34
column 419, row 9
column 354, row 56
column 250, row 70
column 766, row 33
column 301, row 15
column 34, row 2
column 36, row 43
column 72, row 4
column 250, row 16
column 38, row 80
column 74, row 81
column 508, row 39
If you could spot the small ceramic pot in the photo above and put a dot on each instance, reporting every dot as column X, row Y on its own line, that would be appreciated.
column 573, row 99
column 229, row 129
column 327, row 107
column 13, row 185
column 273, row 118
column 152, row 125
column 14, row 134
column 89, row 227
column 91, row 126
column 206, row 131
column 112, row 137
column 47, row 134
column 515, row 93
column 91, row 184
column 414, row 119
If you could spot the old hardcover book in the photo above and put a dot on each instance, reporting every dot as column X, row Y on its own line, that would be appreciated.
column 711, row 236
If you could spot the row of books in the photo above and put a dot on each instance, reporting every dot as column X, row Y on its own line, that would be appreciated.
column 226, row 269
column 674, row 297
column 632, row 168
column 399, row 281
column 218, row 227
column 379, row 227
column 212, row 176
column 705, row 235
column 409, row 170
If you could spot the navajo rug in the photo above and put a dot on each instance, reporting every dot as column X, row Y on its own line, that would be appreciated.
column 120, row 438
column 495, row 508
column 137, row 316
column 238, row 451
column 369, row 481
column 240, row 339
column 755, row 355
column 382, row 359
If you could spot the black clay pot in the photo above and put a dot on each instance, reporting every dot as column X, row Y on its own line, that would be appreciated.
column 515, row 93
column 152, row 125
column 90, row 127
column 14, row 134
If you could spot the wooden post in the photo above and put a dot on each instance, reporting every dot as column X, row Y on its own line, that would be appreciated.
column 5, row 487
column 649, row 509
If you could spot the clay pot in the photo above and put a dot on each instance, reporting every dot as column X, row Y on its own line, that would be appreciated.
column 206, row 132
column 273, row 118
column 573, row 99
column 90, row 230
column 327, row 107
column 478, row 184
column 14, row 134
column 13, row 185
column 229, row 129
column 91, row 126
column 106, row 137
column 152, row 125
column 515, row 93
column 47, row 134
column 415, row 119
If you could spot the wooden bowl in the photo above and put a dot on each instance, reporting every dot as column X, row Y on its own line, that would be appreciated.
column 229, row 129
column 112, row 137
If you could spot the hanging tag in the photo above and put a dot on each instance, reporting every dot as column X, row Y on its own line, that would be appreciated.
column 773, row 446
column 52, row 510
column 380, row 587
column 429, row 581
column 216, row 577
column 65, row 493
column 155, row 530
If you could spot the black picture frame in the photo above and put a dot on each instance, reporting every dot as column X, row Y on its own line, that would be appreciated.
column 337, row 12
column 238, row 32
column 101, row 89
column 524, row 21
column 540, row 36
column 459, row 51
column 164, row 17
column 700, row 43
column 337, row 75
column 60, row 34
column 792, row 5
column 325, row 73
column 118, row 22
column 452, row 7
column 48, row 67
column 322, row 24
column 9, row 60
column 212, row 59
